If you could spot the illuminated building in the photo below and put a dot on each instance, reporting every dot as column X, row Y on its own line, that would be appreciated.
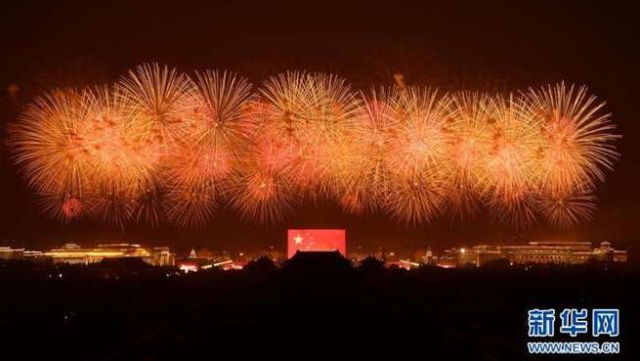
column 447, row 261
column 316, row 240
column 231, row 265
column 8, row 253
column 404, row 263
column 193, row 263
column 452, row 258
column 536, row 252
column 162, row 256
column 456, row 257
column 606, row 252
column 36, row 256
column 74, row 254
column 550, row 252
column 482, row 254
column 425, row 257
column 11, row 253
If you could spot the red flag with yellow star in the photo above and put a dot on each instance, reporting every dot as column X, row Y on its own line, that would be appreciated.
column 316, row 240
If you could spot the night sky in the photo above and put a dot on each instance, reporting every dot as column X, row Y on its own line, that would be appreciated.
column 501, row 46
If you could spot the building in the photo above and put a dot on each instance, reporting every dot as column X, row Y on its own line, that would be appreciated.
column 428, row 258
column 162, row 256
column 193, row 263
column 536, row 252
column 447, row 262
column 606, row 252
column 74, row 254
column 8, row 253
column 319, row 262
column 485, row 254
column 550, row 252
column 35, row 256
column 457, row 257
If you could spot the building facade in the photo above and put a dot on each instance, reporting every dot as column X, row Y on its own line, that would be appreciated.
column 72, row 253
column 8, row 253
column 535, row 252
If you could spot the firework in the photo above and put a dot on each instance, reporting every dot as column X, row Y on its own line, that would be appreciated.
column 313, row 113
column 161, row 98
column 192, row 204
column 365, row 181
column 420, row 170
column 161, row 146
column 567, row 209
column 260, row 189
column 53, row 146
column 111, row 204
column 508, row 162
column 217, row 130
column 576, row 139
column 467, row 126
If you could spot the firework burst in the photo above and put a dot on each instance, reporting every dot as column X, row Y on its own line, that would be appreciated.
column 467, row 126
column 160, row 146
column 161, row 98
column 567, row 209
column 366, row 176
column 53, row 146
column 575, row 138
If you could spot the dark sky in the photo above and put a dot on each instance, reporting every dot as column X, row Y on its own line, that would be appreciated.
column 497, row 46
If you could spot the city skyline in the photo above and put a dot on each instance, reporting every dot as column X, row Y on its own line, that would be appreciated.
column 534, row 252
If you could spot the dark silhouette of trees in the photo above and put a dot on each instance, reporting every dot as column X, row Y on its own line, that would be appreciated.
column 317, row 302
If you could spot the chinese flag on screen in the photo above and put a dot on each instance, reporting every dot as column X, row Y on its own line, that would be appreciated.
column 310, row 240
